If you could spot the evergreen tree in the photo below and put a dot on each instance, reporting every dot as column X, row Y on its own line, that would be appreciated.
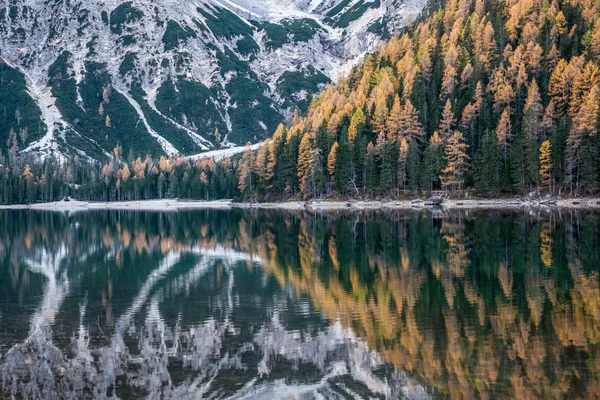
column 516, row 165
column 332, row 162
column 504, row 134
column 413, row 163
column 371, row 166
column 585, row 125
column 395, row 122
column 357, row 124
column 447, row 122
column 532, row 126
column 305, row 166
column 546, row 165
column 344, row 173
column 245, row 180
column 386, row 175
column 289, row 161
column 402, row 159
column 318, row 175
column 432, row 163
column 455, row 154
column 410, row 126
column 487, row 165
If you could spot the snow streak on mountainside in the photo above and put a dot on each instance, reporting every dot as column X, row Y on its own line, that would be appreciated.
column 175, row 76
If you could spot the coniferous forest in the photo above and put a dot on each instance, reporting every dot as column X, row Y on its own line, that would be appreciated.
column 491, row 97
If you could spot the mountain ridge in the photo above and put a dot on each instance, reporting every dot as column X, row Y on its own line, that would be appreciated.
column 169, row 75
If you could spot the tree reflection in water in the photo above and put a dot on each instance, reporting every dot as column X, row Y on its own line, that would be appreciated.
column 249, row 304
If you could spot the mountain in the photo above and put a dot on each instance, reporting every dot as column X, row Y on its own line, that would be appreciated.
column 172, row 77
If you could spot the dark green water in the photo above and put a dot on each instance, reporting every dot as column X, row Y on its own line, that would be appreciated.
column 269, row 305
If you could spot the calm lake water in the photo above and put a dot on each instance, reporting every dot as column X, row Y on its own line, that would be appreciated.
column 267, row 305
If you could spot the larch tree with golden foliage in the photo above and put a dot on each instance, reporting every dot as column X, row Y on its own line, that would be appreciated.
column 245, row 179
column 331, row 162
column 456, row 158
column 546, row 165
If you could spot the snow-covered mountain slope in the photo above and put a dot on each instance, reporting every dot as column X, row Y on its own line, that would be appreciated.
column 173, row 76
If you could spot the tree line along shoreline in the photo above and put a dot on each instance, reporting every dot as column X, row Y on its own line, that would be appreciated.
column 497, row 99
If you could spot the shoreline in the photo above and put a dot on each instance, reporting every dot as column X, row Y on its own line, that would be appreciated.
column 311, row 205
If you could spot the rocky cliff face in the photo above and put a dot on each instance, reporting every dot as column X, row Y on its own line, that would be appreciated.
column 172, row 76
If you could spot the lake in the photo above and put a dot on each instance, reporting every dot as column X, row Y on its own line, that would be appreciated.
column 270, row 304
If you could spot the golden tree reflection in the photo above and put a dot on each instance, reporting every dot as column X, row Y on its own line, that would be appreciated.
column 479, row 306
column 488, row 343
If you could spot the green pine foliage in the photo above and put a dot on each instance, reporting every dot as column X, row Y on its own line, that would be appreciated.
column 224, row 24
column 124, row 14
column 18, row 111
column 190, row 104
column 298, row 86
column 175, row 34
column 85, row 116
column 288, row 31
column 176, row 136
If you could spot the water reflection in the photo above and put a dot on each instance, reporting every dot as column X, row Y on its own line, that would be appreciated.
column 234, row 304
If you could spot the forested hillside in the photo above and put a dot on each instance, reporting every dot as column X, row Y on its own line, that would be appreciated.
column 498, row 96
column 491, row 97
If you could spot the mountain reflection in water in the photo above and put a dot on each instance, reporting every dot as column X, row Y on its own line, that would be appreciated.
column 265, row 304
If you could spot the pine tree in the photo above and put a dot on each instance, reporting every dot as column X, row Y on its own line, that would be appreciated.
column 245, row 179
column 504, row 133
column 432, row 163
column 344, row 172
column 447, row 122
column 318, row 176
column 395, row 120
column 561, row 23
column 455, row 154
column 410, row 126
column 546, row 165
column 357, row 124
column 413, row 166
column 548, row 121
column 260, row 166
column 561, row 83
column 365, row 134
column 487, row 164
column 29, row 178
column 502, row 89
column 516, row 165
column 380, row 116
column 275, row 146
column 448, row 82
column 288, row 162
column 360, row 152
column 386, row 173
column 371, row 166
column 588, row 165
column 305, row 167
column 585, row 124
column 402, row 158
column 595, row 41
column 332, row 162
column 532, row 126
column 584, row 81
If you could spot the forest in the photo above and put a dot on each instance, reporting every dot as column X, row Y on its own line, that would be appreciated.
column 490, row 97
